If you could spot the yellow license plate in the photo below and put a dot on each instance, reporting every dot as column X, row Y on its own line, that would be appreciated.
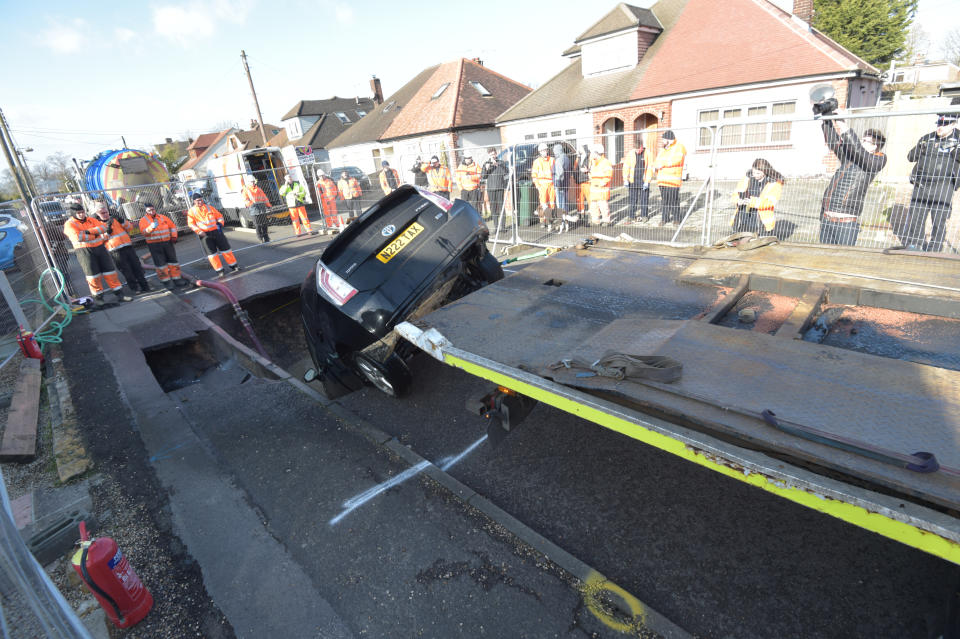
column 390, row 250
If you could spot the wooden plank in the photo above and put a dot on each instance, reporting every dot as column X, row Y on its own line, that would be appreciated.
column 804, row 313
column 20, row 435
column 716, row 313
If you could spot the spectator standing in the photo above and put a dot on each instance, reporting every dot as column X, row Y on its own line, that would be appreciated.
column 583, row 179
column 439, row 178
column 256, row 200
column 121, row 250
column 419, row 171
column 668, row 168
column 389, row 178
column 542, row 174
column 468, row 179
column 935, row 178
column 561, row 172
column 161, row 234
column 495, row 175
column 351, row 192
column 601, row 174
column 755, row 197
column 327, row 192
column 296, row 197
column 637, row 173
column 860, row 161
column 88, row 235
column 207, row 222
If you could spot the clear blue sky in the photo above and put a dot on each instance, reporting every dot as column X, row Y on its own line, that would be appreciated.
column 77, row 75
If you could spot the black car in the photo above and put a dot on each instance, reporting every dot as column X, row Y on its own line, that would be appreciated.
column 408, row 254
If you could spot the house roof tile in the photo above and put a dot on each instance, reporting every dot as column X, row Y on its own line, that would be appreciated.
column 330, row 105
column 413, row 110
column 623, row 16
column 211, row 140
column 778, row 48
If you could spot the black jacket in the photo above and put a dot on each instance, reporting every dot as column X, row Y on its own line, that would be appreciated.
column 848, row 186
column 936, row 174
column 494, row 175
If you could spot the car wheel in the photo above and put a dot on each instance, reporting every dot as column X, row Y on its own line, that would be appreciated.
column 245, row 222
column 490, row 268
column 392, row 377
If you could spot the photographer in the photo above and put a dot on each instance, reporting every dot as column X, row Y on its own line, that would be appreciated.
column 860, row 161
column 935, row 178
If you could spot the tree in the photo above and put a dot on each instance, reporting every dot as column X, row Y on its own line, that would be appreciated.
column 917, row 44
column 875, row 30
column 950, row 48
column 58, row 168
column 172, row 158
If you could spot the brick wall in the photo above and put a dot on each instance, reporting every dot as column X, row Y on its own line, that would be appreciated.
column 629, row 116
column 644, row 40
column 803, row 9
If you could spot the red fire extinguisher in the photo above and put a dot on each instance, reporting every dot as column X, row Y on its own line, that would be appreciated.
column 28, row 345
column 109, row 576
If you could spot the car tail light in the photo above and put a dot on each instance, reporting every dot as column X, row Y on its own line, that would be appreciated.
column 442, row 202
column 333, row 286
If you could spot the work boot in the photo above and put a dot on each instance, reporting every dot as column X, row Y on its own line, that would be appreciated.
column 221, row 274
column 145, row 288
column 98, row 299
column 181, row 281
column 235, row 268
column 314, row 232
column 122, row 297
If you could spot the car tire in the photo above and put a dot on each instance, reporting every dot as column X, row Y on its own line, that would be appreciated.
column 391, row 377
column 244, row 222
column 490, row 268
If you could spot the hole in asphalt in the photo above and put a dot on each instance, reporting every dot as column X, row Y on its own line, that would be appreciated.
column 181, row 364
column 553, row 282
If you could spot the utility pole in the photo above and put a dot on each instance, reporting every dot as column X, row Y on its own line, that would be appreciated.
column 246, row 67
column 24, row 174
column 124, row 140
column 24, row 192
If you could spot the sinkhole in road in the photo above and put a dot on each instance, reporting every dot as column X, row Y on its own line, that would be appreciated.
column 182, row 364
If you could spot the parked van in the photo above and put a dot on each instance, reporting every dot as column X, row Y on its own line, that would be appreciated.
column 267, row 166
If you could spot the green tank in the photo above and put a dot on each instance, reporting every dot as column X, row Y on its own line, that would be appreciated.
column 528, row 202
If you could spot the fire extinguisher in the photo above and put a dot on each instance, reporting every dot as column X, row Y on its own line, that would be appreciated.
column 109, row 576
column 28, row 345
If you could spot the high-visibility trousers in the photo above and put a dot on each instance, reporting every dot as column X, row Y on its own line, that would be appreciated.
column 330, row 216
column 599, row 211
column 583, row 196
column 99, row 269
column 548, row 194
column 216, row 245
column 298, row 214
column 165, row 259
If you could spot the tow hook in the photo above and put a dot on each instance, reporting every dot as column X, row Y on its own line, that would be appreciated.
column 504, row 411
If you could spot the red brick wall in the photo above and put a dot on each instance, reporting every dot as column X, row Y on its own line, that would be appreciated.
column 803, row 9
column 629, row 115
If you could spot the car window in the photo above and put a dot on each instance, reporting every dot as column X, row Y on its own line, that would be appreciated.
column 3, row 235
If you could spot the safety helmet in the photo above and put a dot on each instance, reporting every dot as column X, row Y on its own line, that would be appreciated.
column 467, row 155
column 596, row 148
column 542, row 146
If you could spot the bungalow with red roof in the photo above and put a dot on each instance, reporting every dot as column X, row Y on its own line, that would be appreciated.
column 205, row 147
column 693, row 65
column 445, row 107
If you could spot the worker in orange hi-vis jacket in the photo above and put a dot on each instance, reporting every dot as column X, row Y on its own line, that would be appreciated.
column 668, row 168
column 296, row 197
column 389, row 178
column 601, row 175
column 121, row 250
column 439, row 178
column 88, row 236
column 257, row 201
column 351, row 192
column 161, row 234
column 207, row 222
column 327, row 193
column 542, row 174
column 468, row 179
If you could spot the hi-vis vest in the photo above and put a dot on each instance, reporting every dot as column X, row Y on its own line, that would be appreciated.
column 669, row 165
column 160, row 228
column 204, row 218
column 440, row 179
column 85, row 234
column 118, row 234
column 630, row 165
column 468, row 177
column 763, row 203
column 252, row 194
column 542, row 171
column 601, row 174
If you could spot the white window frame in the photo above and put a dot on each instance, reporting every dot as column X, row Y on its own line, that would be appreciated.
column 768, row 120
column 342, row 116
column 443, row 87
column 482, row 90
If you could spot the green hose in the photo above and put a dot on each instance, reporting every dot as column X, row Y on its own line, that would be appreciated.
column 53, row 331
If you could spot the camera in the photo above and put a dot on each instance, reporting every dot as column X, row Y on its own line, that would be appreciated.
column 825, row 107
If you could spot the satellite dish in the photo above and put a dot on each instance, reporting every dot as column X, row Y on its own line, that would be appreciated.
column 821, row 92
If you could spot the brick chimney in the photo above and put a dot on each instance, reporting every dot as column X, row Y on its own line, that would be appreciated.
column 477, row 61
column 803, row 9
column 376, row 90
column 253, row 124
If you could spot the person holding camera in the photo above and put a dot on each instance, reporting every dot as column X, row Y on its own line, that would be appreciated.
column 755, row 196
column 860, row 161
column 935, row 178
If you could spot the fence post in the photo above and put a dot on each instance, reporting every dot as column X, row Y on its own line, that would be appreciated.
column 12, row 302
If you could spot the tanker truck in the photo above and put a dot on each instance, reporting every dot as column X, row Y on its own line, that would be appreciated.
column 126, row 180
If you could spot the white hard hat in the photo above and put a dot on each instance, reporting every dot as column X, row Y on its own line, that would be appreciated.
column 596, row 148
column 467, row 154
column 542, row 146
